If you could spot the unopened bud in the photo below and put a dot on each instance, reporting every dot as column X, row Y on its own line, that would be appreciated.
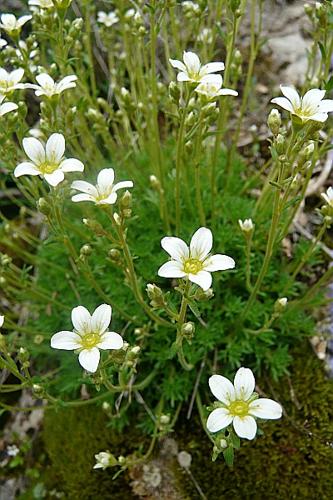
column 43, row 206
column 174, row 92
column 164, row 419
column 280, row 304
column 86, row 250
column 188, row 329
column 246, row 226
column 280, row 143
column 114, row 254
column 117, row 219
column 274, row 121
column 154, row 182
column 126, row 200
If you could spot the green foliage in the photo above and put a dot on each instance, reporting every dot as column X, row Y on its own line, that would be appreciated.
column 292, row 459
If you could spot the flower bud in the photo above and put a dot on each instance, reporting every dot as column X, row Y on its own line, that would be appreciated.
column 154, row 182
column 164, row 419
column 274, row 121
column 280, row 143
column 280, row 304
column 114, row 254
column 246, row 226
column 86, row 250
column 126, row 200
column 188, row 329
column 117, row 219
column 174, row 92
column 43, row 206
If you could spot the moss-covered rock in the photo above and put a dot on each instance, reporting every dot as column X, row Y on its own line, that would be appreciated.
column 292, row 460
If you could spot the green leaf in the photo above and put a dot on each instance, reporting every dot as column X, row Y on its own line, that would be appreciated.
column 229, row 456
column 322, row 50
column 329, row 84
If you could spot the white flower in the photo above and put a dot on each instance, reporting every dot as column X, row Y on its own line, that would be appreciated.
column 10, row 24
column 247, row 225
column 48, row 161
column 311, row 106
column 90, row 334
column 328, row 196
column 104, row 193
column 193, row 262
column 12, row 450
column 282, row 301
column 2, row 319
column 239, row 404
column 103, row 460
column 3, row 43
column 6, row 107
column 108, row 19
column 41, row 4
column 9, row 81
column 49, row 88
column 191, row 69
column 210, row 87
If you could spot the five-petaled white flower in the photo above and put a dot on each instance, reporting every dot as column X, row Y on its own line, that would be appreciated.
column 48, row 161
column 191, row 69
column 90, row 334
column 6, row 107
column 193, row 262
column 48, row 87
column 2, row 319
column 108, row 19
column 11, row 25
column 104, row 459
column 104, row 193
column 10, row 81
column 328, row 196
column 212, row 88
column 312, row 106
column 239, row 404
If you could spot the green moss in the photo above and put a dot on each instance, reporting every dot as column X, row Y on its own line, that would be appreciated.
column 293, row 459
column 72, row 437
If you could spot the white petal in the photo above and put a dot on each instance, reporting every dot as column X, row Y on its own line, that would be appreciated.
column 218, row 262
column 183, row 77
column 172, row 269
column 222, row 388
column 110, row 200
column 111, row 340
column 318, row 117
column 326, row 106
column 177, row 64
column 212, row 68
column 7, row 107
column 55, row 148
column 82, row 197
column 16, row 75
column 34, row 150
column 101, row 318
column 244, row 383
column 71, row 165
column 81, row 319
column 228, row 92
column 192, row 61
column 122, row 185
column 245, row 427
column 66, row 340
column 201, row 243
column 175, row 247
column 265, row 408
column 45, row 80
column 55, row 178
column 85, row 187
column 22, row 20
column 89, row 359
column 2, row 319
column 105, row 178
column 291, row 94
column 312, row 98
column 219, row 419
column 213, row 79
column 26, row 168
column 283, row 103
column 202, row 278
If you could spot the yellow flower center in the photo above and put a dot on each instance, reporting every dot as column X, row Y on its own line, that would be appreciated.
column 90, row 340
column 48, row 168
column 239, row 408
column 192, row 266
